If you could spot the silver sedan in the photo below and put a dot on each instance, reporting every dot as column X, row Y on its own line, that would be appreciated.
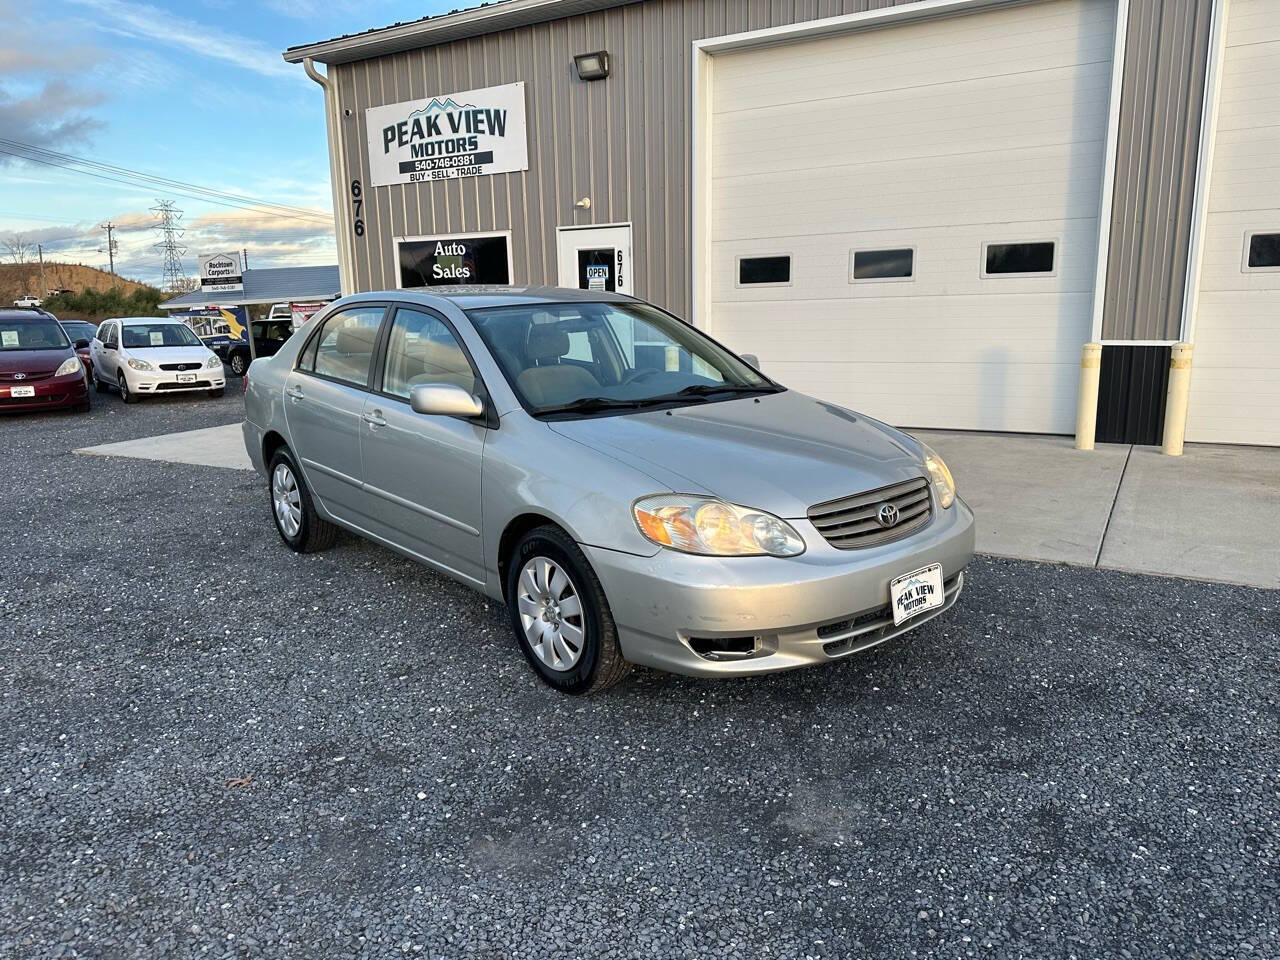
column 631, row 490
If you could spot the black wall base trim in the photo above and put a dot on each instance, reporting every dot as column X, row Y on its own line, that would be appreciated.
column 1132, row 386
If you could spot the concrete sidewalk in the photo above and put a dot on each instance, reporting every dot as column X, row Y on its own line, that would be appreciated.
column 1211, row 514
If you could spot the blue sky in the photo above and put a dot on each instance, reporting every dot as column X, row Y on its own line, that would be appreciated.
column 191, row 91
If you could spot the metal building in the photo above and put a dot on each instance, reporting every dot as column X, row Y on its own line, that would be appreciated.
column 922, row 210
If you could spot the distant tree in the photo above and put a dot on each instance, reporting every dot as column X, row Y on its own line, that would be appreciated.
column 186, row 284
column 18, row 248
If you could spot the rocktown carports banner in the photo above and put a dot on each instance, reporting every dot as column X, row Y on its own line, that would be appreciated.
column 467, row 134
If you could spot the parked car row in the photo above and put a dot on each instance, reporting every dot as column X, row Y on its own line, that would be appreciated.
column 49, row 364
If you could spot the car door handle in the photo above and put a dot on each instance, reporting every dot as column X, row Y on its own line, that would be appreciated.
column 374, row 419
column 294, row 393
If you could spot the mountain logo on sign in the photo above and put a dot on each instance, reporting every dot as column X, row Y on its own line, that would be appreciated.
column 448, row 103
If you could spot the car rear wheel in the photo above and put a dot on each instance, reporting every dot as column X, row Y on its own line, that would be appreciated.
column 98, row 384
column 125, row 394
column 239, row 364
column 295, row 515
column 560, row 616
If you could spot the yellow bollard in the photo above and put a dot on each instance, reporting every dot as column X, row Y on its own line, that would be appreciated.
column 1175, row 408
column 1087, row 401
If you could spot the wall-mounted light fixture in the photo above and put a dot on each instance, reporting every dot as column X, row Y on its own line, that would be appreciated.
column 592, row 66
column 584, row 203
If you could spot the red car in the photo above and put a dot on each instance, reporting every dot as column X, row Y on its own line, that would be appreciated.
column 78, row 332
column 39, row 369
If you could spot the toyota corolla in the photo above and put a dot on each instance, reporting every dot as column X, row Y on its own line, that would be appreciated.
column 631, row 490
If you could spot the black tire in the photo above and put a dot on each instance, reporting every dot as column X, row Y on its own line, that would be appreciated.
column 98, row 384
column 218, row 392
column 127, row 395
column 238, row 363
column 600, row 664
column 314, row 533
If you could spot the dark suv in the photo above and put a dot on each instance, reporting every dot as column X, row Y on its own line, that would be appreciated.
column 268, row 337
column 39, row 369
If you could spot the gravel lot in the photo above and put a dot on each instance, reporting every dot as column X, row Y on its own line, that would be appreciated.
column 214, row 747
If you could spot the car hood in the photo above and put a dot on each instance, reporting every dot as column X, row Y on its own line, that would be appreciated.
column 783, row 454
column 158, row 355
column 32, row 361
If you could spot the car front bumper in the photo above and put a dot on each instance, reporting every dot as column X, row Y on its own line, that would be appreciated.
column 791, row 612
column 166, row 381
column 50, row 394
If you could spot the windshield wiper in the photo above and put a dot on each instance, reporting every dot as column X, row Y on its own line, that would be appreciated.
column 592, row 404
column 705, row 389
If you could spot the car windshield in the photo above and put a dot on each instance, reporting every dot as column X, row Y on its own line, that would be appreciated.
column 77, row 331
column 34, row 334
column 138, row 335
column 573, row 359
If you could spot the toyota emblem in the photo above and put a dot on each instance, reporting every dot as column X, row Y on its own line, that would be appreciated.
column 888, row 515
column 19, row 376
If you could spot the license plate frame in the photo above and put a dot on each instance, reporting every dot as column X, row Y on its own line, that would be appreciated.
column 186, row 378
column 916, row 593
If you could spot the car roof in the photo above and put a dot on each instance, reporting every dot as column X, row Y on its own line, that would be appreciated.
column 476, row 297
column 10, row 314
column 131, row 320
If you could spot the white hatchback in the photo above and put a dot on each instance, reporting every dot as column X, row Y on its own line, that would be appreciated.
column 147, row 355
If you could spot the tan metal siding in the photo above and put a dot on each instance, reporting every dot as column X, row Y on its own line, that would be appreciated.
column 1157, row 144
column 625, row 143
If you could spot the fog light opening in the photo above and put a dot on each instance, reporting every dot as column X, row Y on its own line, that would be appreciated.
column 725, row 648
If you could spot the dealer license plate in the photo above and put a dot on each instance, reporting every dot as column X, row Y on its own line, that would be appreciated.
column 22, row 391
column 915, row 593
column 186, row 378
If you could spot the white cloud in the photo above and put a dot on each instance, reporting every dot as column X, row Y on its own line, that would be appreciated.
column 55, row 114
column 144, row 21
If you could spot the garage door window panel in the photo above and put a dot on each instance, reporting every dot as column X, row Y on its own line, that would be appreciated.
column 1262, row 251
column 887, row 264
column 345, row 346
column 1035, row 258
column 770, row 271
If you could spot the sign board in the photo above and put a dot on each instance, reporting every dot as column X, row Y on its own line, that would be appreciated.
column 451, row 260
column 469, row 134
column 300, row 313
column 216, row 323
column 221, row 273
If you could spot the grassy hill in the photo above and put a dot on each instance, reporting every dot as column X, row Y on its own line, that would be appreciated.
column 93, row 294
column 20, row 278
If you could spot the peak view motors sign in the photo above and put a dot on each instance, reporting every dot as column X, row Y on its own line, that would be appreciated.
column 468, row 134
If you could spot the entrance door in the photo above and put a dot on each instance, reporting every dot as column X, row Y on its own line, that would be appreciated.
column 595, row 258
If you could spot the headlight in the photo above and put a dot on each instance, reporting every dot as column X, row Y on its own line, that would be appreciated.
column 140, row 364
column 69, row 365
column 943, row 483
column 213, row 362
column 714, row 528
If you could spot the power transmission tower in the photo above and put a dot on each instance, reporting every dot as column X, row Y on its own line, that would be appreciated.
column 170, row 220
column 112, row 246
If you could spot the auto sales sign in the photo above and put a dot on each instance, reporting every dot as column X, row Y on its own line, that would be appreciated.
column 468, row 134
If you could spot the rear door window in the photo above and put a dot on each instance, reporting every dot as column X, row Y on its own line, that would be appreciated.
column 344, row 346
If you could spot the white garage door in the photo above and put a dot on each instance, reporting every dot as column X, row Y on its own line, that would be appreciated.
column 1235, row 374
column 936, row 138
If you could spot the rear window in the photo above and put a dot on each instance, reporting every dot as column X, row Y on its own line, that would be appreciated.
column 32, row 335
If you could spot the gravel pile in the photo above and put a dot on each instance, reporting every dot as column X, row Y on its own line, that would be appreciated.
column 216, row 748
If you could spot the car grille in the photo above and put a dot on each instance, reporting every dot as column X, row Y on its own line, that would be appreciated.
column 29, row 378
column 183, row 386
column 52, row 399
column 854, row 522
column 181, row 366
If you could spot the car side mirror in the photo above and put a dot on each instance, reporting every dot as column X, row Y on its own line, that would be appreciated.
column 82, row 344
column 751, row 360
column 444, row 400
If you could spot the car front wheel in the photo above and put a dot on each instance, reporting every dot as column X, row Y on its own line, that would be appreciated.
column 295, row 515
column 125, row 393
column 560, row 616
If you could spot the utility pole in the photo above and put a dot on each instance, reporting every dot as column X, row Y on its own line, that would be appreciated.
column 44, row 287
column 111, row 244
column 245, row 265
